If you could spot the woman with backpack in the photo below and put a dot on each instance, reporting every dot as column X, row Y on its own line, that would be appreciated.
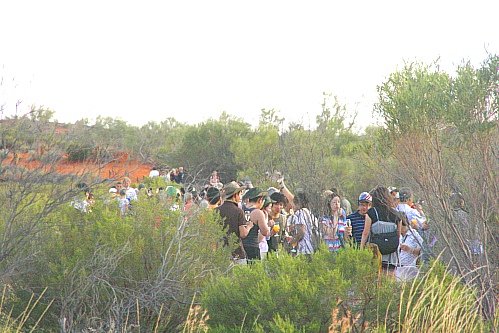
column 382, row 227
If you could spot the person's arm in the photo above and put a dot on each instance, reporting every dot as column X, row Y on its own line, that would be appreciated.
column 244, row 229
column 367, row 230
column 413, row 250
column 259, row 217
column 287, row 193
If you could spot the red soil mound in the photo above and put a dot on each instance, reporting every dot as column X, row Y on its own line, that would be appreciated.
column 119, row 167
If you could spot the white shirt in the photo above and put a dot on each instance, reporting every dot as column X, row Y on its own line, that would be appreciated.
column 411, row 213
column 413, row 240
column 153, row 173
column 131, row 194
column 305, row 245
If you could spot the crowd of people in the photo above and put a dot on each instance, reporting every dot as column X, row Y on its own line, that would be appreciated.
column 271, row 220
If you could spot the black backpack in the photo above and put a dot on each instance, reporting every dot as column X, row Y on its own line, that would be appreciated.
column 385, row 235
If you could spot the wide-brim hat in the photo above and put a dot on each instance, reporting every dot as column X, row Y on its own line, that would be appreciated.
column 267, row 201
column 255, row 192
column 231, row 188
column 212, row 193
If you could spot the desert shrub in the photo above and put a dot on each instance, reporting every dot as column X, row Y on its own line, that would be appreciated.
column 108, row 272
column 78, row 153
column 301, row 295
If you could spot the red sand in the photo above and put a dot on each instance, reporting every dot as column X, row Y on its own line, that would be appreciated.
column 120, row 167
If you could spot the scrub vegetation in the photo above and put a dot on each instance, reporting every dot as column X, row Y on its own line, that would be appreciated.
column 161, row 270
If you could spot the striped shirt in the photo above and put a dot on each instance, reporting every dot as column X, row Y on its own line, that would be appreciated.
column 358, row 222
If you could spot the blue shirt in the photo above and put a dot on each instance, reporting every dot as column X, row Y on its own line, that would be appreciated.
column 358, row 222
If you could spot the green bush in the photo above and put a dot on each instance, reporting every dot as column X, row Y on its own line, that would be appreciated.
column 77, row 153
column 298, row 294
column 103, row 270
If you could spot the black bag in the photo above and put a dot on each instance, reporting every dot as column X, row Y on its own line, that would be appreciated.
column 385, row 235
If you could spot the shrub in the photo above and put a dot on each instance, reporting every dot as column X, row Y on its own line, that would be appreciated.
column 104, row 271
column 297, row 294
column 77, row 153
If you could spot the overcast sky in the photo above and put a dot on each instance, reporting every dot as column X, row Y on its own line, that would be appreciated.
column 149, row 60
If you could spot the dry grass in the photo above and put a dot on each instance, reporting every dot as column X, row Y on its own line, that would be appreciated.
column 10, row 324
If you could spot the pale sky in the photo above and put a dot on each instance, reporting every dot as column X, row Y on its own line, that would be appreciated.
column 146, row 61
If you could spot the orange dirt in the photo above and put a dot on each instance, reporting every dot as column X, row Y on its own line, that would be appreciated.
column 121, row 166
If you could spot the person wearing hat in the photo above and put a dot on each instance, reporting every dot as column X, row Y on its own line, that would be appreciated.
column 255, row 215
column 234, row 220
column 415, row 216
column 279, row 217
column 213, row 198
column 358, row 218
column 395, row 195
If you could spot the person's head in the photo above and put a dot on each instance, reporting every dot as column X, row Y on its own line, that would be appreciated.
column 364, row 201
column 213, row 195
column 256, row 196
column 272, row 190
column 214, row 173
column 123, row 192
column 405, row 195
column 280, row 202
column 381, row 197
column 267, row 204
column 300, row 200
column 394, row 192
column 118, row 185
column 180, row 169
column 383, row 202
column 333, row 203
column 126, row 182
column 232, row 191
column 195, row 194
column 154, row 168
column 188, row 197
column 326, row 193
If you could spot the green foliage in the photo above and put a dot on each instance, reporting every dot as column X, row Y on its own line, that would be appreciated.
column 259, row 152
column 415, row 99
column 289, row 293
column 207, row 147
column 78, row 153
column 98, row 266
column 440, row 136
column 440, row 303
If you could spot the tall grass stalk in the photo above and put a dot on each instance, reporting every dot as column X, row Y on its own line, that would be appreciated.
column 17, row 324
column 196, row 320
column 439, row 305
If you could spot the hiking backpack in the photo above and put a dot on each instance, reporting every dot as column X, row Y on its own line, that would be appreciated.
column 385, row 235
